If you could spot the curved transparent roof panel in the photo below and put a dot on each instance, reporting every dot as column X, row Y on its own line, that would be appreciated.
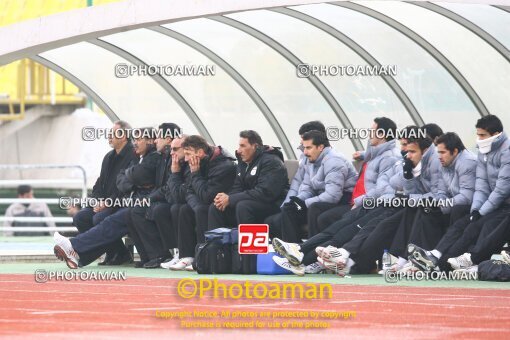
column 492, row 20
column 483, row 67
column 433, row 91
column 443, row 68
column 210, row 96
column 292, row 100
column 361, row 97
column 136, row 99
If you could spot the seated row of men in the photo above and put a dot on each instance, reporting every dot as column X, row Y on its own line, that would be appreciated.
column 433, row 236
column 194, row 187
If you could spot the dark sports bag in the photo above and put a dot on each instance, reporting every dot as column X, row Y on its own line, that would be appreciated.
column 242, row 263
column 224, row 234
column 214, row 256
column 494, row 270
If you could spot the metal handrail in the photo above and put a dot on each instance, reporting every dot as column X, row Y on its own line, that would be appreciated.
column 34, row 219
column 37, row 229
column 29, row 200
column 39, row 183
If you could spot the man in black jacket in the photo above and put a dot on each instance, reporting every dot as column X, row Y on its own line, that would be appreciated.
column 105, row 187
column 143, row 218
column 259, row 189
column 137, row 181
column 212, row 171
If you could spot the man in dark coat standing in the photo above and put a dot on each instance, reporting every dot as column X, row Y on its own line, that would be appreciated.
column 106, row 187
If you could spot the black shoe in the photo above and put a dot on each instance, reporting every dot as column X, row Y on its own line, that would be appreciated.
column 139, row 264
column 119, row 259
column 154, row 263
column 107, row 259
column 422, row 258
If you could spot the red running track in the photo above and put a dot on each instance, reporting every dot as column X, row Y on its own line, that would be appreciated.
column 127, row 309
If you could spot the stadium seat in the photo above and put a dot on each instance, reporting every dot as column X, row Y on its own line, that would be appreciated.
column 292, row 166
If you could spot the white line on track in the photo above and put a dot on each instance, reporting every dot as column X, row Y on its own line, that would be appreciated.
column 154, row 308
column 449, row 299
column 56, row 312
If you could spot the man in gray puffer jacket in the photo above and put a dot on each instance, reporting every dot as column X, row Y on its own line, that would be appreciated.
column 378, row 158
column 329, row 212
column 458, row 185
column 295, row 182
column 327, row 175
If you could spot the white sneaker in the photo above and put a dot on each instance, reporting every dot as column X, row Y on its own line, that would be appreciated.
column 337, row 268
column 285, row 264
column 505, row 256
column 314, row 268
column 189, row 268
column 324, row 251
column 395, row 267
column 409, row 267
column 182, row 264
column 333, row 254
column 64, row 251
column 461, row 262
column 320, row 251
column 170, row 263
column 288, row 250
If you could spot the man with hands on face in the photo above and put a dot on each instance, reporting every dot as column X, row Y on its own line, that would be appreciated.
column 212, row 171
column 423, row 185
column 175, row 194
column 155, row 232
column 259, row 188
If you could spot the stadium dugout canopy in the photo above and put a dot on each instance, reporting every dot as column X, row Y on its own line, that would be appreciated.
column 271, row 65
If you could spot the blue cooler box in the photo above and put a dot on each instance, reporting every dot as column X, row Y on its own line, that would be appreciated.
column 266, row 265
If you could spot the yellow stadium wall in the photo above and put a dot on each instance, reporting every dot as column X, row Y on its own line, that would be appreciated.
column 13, row 11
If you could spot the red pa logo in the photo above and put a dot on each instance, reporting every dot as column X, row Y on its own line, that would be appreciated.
column 253, row 238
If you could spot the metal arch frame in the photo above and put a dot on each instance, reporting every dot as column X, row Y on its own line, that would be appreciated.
column 185, row 106
column 420, row 41
column 239, row 79
column 503, row 8
column 38, row 35
column 76, row 81
column 477, row 30
column 294, row 60
column 364, row 54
